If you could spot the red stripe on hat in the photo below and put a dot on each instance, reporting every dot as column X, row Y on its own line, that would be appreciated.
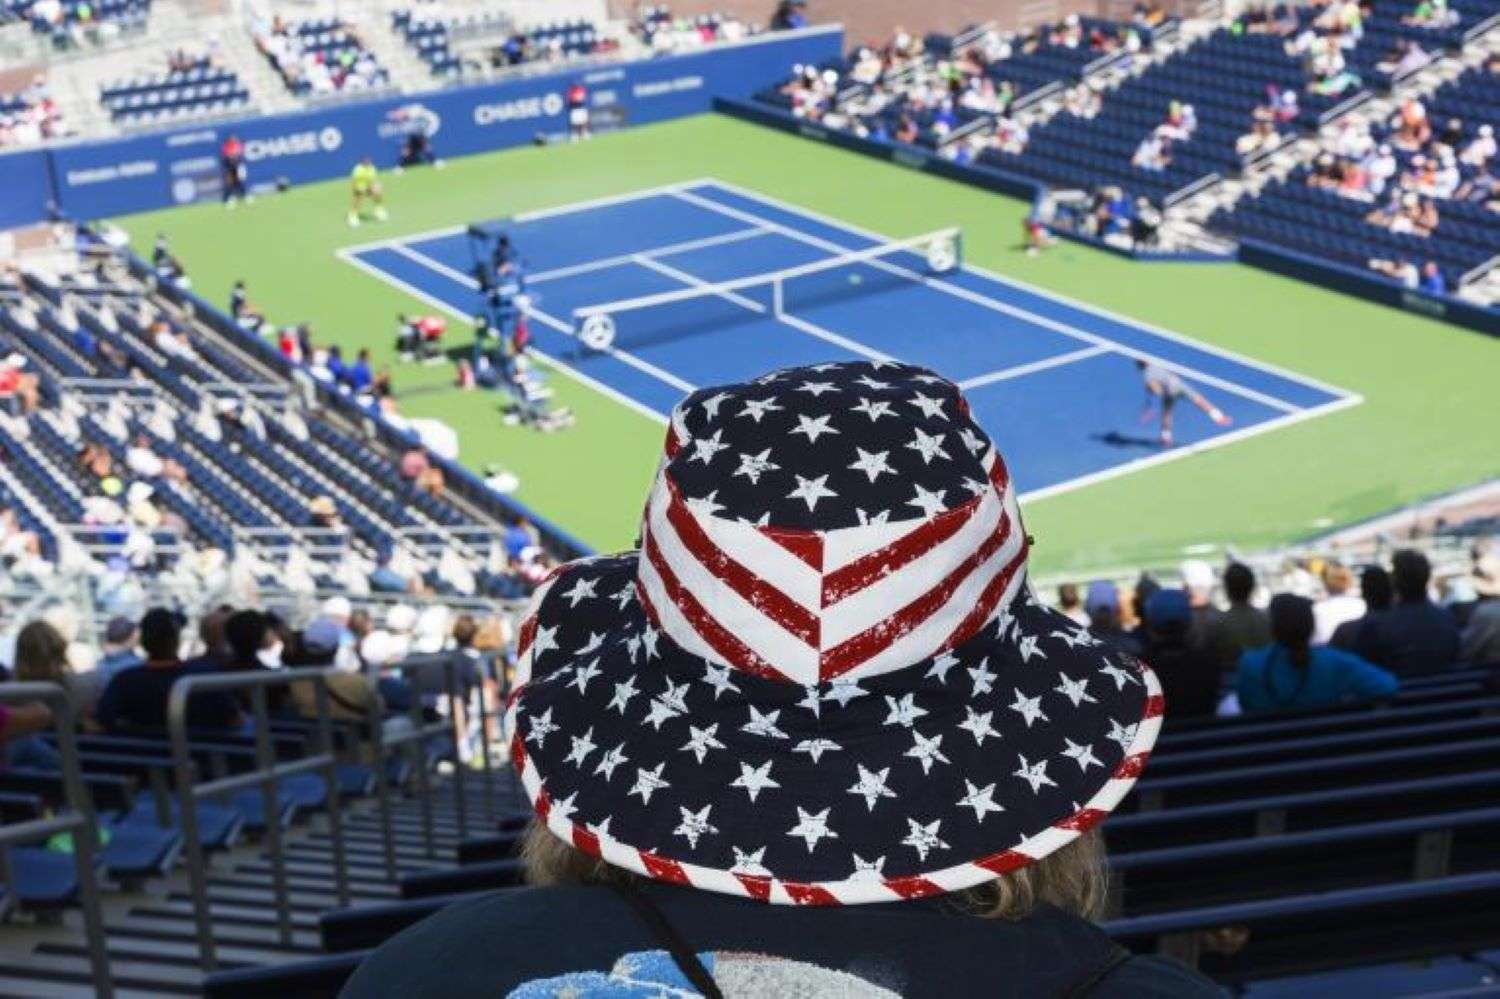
column 763, row 596
column 806, row 545
column 718, row 638
column 1005, row 861
column 674, row 443
column 757, row 885
column 913, row 887
column 518, row 753
column 985, row 605
column 805, row 894
column 1130, row 767
column 663, row 869
column 585, row 841
column 880, row 563
column 1156, row 704
column 543, row 804
column 1083, row 820
column 527, row 636
column 853, row 651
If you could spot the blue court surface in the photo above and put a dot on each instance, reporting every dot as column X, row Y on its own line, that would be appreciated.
column 1054, row 381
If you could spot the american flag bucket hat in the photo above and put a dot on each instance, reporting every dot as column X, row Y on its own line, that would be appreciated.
column 822, row 678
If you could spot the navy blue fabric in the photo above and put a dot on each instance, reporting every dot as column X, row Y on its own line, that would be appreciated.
column 491, row 945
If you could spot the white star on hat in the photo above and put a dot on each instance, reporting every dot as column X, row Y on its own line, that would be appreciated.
column 712, row 403
column 816, row 389
column 872, row 786
column 623, row 693
column 1034, row 774
column 694, row 825
column 981, row 799
column 931, row 408
column 1029, row 708
column 754, row 779
column 647, row 782
column 546, row 638
column 811, row 428
column 812, row 828
column 750, row 862
column 582, row 746
column 925, row 751
column 581, row 588
column 924, row 838
column 816, row 747
column 872, row 463
column 979, row 725
column 763, row 724
column 582, row 677
column 756, row 408
column 983, row 677
column 1120, row 676
column 609, row 761
column 1076, row 691
column 903, row 711
column 874, row 409
column 929, row 500
column 705, row 448
column 753, row 466
column 541, row 726
column 812, row 490
column 718, row 677
column 929, row 446
column 702, row 740
column 844, row 689
column 1083, row 754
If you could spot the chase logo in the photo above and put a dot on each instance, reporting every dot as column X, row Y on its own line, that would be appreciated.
column 184, row 189
column 323, row 140
column 410, row 119
column 522, row 109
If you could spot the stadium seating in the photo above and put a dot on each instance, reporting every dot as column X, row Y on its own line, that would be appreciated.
column 320, row 56
column 202, row 89
column 434, row 40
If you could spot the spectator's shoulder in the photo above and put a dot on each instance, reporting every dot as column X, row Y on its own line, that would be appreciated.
column 1153, row 977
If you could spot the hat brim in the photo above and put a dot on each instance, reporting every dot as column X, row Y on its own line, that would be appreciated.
column 928, row 780
column 921, row 782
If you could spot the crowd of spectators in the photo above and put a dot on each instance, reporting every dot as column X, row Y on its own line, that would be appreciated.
column 120, row 683
column 1222, row 645
column 318, row 58
column 656, row 28
column 30, row 116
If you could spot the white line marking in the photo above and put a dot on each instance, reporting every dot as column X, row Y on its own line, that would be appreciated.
column 1166, row 334
column 604, row 263
column 984, row 301
column 627, row 401
column 1055, row 361
column 606, row 201
column 390, row 241
column 697, row 282
column 646, row 367
column 1139, row 464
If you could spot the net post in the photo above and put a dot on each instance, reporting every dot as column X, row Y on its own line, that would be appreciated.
column 777, row 301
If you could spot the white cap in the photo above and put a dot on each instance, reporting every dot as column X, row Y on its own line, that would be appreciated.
column 16, row 360
column 139, row 492
column 1197, row 574
column 379, row 648
column 338, row 607
column 400, row 618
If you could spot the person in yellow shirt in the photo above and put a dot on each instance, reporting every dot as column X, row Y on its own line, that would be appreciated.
column 366, row 191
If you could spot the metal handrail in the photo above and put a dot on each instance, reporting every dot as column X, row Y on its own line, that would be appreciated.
column 386, row 743
column 267, row 774
column 79, row 820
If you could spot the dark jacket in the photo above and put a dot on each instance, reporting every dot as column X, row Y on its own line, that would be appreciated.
column 1191, row 677
column 526, row 938
column 1410, row 639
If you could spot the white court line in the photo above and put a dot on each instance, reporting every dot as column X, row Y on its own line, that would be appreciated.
column 1166, row 334
column 984, row 301
column 811, row 329
column 645, row 367
column 697, row 282
column 603, row 263
column 627, row 401
column 1055, row 361
column 540, row 213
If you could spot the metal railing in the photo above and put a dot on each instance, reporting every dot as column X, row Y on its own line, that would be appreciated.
column 268, row 774
column 414, row 740
column 79, row 821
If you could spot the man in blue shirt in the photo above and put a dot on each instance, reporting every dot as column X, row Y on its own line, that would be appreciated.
column 1433, row 281
column 359, row 376
column 119, row 649
column 136, row 699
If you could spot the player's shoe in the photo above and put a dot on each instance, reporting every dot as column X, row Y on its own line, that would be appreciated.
column 353, row 220
column 381, row 214
column 1219, row 417
column 1166, row 438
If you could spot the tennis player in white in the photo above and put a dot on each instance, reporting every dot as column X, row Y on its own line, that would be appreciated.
column 1166, row 385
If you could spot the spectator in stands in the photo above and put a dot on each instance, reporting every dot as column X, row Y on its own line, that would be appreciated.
column 136, row 699
column 1479, row 645
column 254, row 645
column 323, row 513
column 1408, row 57
column 1481, row 149
column 1338, row 606
column 1190, row 678
column 41, row 657
column 241, row 310
column 1431, row 14
column 1432, row 280
column 359, row 374
column 1103, row 607
column 146, row 463
column 120, row 636
column 19, row 384
column 1375, row 590
column 1403, row 271
column 1245, row 626
column 739, row 819
column 1291, row 673
column 211, row 637
column 1070, row 604
column 1414, row 637
column 169, row 269
column 20, row 724
column 1154, row 153
column 1209, row 635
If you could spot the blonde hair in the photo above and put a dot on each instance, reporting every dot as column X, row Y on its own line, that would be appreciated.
column 1074, row 879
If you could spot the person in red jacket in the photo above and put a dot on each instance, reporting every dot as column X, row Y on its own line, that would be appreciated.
column 232, row 163
column 578, row 112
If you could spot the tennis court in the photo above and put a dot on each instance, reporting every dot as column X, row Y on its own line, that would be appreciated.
column 1051, row 379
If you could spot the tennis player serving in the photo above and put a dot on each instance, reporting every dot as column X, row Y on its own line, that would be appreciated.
column 365, row 191
column 1167, row 386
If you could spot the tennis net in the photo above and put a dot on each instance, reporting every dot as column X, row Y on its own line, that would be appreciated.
column 702, row 306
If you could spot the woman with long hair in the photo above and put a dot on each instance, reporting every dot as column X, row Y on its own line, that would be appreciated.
column 1293, row 673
